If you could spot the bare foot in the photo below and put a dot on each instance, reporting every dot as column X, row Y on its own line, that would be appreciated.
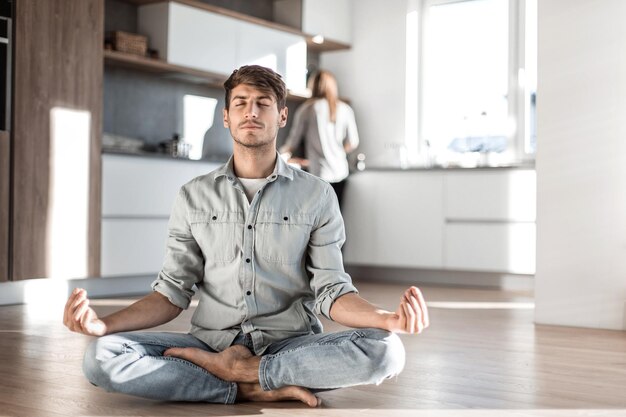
column 235, row 364
column 254, row 392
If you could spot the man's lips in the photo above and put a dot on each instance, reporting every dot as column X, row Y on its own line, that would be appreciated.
column 250, row 126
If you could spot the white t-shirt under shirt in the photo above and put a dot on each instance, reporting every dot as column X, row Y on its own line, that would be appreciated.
column 324, row 139
column 251, row 186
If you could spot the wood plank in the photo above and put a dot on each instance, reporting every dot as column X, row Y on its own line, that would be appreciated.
column 58, row 63
column 471, row 362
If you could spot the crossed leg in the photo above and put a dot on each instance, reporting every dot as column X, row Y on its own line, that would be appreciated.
column 133, row 363
column 318, row 362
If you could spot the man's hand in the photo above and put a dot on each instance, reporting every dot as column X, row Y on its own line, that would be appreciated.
column 411, row 315
column 80, row 318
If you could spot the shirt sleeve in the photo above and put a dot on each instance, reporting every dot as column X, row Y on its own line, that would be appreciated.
column 329, row 281
column 352, row 135
column 183, row 265
column 296, row 133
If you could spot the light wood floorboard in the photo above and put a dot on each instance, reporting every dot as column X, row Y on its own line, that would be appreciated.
column 482, row 356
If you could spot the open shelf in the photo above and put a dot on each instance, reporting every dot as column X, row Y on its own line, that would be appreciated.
column 326, row 46
column 158, row 66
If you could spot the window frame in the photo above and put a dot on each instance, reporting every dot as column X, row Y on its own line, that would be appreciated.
column 518, row 95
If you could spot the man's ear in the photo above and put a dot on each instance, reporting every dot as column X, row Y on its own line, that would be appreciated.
column 282, row 121
column 225, row 115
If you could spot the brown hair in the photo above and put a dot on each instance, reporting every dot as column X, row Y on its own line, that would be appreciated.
column 258, row 77
column 324, row 85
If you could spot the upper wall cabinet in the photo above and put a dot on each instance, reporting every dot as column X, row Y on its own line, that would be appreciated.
column 328, row 18
column 186, row 36
column 192, row 37
column 326, row 23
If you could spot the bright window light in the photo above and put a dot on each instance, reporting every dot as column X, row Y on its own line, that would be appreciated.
column 68, row 210
column 198, row 115
column 410, row 112
column 466, row 76
column 295, row 74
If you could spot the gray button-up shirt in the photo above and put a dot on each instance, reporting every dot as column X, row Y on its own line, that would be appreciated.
column 263, row 267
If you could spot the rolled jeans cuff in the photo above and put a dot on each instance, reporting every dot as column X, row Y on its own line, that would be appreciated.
column 265, row 385
column 231, row 397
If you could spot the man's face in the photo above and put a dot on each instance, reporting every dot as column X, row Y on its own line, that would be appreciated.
column 253, row 117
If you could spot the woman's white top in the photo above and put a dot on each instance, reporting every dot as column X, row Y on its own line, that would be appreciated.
column 324, row 140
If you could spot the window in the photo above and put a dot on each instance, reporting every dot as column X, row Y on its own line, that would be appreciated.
column 477, row 84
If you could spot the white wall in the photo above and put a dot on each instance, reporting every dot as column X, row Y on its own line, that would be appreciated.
column 372, row 74
column 581, row 164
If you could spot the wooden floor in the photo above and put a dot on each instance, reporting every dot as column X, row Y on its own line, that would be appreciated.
column 482, row 356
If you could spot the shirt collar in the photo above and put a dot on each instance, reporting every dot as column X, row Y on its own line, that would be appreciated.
column 281, row 168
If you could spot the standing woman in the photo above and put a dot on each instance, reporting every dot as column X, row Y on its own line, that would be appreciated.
column 329, row 131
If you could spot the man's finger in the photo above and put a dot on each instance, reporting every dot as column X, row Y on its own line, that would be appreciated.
column 419, row 316
column 68, row 305
column 80, row 297
column 85, row 319
column 80, row 310
column 420, row 298
column 410, row 316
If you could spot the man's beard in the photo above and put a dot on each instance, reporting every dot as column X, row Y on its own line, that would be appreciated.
column 256, row 142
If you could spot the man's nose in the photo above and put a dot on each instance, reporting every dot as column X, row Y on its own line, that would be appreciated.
column 252, row 112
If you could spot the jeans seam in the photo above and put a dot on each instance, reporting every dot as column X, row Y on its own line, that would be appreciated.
column 343, row 341
column 231, row 397
column 263, row 381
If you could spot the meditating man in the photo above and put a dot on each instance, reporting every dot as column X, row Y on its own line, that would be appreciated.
column 260, row 242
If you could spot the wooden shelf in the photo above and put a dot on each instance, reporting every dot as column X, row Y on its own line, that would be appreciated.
column 328, row 45
column 158, row 66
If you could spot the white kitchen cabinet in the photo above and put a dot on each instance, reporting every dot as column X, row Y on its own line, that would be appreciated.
column 394, row 219
column 137, row 196
column 190, row 37
column 461, row 220
column 329, row 18
column 197, row 38
column 490, row 221
column 504, row 195
column 281, row 51
column 490, row 247
column 133, row 246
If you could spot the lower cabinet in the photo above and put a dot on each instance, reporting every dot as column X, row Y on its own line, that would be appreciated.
column 490, row 220
column 490, row 247
column 137, row 196
column 465, row 220
column 394, row 218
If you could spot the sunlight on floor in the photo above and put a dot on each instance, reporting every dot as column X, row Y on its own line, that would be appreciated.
column 481, row 305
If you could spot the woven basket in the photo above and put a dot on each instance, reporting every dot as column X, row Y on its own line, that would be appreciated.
column 130, row 43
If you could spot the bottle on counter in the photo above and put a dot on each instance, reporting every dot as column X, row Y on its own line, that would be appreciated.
column 174, row 145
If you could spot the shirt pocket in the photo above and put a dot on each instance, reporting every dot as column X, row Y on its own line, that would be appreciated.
column 283, row 238
column 216, row 234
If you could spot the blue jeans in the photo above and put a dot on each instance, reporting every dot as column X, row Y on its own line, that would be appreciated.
column 133, row 363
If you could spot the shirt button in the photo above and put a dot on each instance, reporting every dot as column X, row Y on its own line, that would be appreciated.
column 285, row 218
column 248, row 292
column 214, row 217
column 248, row 260
column 249, row 226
